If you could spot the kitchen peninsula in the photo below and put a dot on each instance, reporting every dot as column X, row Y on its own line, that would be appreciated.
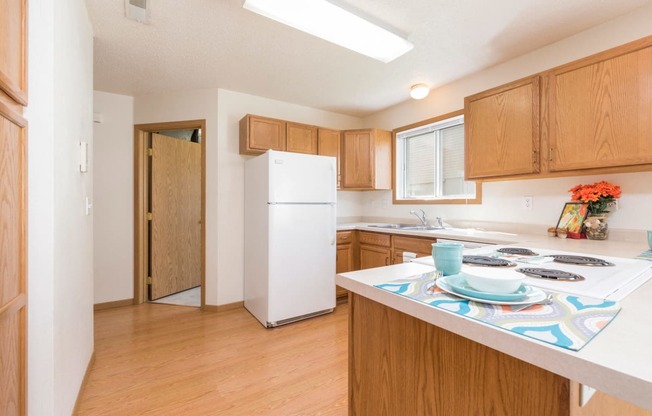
column 407, row 357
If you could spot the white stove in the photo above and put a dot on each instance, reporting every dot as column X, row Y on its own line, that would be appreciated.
column 604, row 277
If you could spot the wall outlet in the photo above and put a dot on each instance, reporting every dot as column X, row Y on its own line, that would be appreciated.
column 527, row 203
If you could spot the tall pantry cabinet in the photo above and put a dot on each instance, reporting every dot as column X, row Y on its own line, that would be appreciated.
column 13, row 212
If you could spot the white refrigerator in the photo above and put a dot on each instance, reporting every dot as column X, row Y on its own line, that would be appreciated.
column 290, row 236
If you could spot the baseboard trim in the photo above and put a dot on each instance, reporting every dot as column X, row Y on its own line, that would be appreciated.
column 113, row 304
column 82, row 387
column 222, row 308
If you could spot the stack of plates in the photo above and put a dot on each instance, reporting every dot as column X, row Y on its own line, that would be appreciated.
column 458, row 286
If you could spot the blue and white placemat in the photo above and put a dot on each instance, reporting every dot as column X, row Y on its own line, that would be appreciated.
column 569, row 322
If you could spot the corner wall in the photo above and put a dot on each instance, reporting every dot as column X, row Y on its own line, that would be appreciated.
column 113, row 188
column 502, row 200
column 222, row 110
column 232, row 106
column 73, row 229
column 60, row 236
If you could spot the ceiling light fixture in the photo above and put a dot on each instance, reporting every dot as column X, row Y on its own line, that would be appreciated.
column 334, row 24
column 419, row 91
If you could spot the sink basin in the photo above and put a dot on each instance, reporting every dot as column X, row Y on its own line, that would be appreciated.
column 412, row 227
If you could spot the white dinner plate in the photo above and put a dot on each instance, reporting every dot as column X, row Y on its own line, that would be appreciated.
column 534, row 295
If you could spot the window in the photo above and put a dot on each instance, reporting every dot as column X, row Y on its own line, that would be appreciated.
column 429, row 162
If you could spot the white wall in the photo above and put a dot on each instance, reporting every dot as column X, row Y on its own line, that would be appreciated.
column 40, row 251
column 73, row 230
column 113, row 189
column 60, row 257
column 232, row 106
column 502, row 200
column 222, row 110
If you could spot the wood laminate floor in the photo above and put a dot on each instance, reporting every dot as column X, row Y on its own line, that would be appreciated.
column 163, row 359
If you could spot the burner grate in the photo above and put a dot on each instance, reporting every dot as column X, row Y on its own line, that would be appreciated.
column 487, row 261
column 580, row 260
column 550, row 274
column 518, row 251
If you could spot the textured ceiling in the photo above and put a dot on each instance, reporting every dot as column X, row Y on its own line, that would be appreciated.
column 193, row 44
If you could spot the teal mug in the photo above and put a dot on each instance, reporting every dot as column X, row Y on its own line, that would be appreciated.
column 649, row 239
column 448, row 257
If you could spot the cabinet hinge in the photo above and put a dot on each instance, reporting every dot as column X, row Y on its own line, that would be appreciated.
column 148, row 280
column 149, row 151
column 550, row 154
column 149, row 216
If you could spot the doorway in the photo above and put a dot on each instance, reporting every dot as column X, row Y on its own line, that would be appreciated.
column 169, row 210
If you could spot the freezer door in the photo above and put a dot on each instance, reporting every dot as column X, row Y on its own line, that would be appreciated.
column 301, row 260
column 295, row 177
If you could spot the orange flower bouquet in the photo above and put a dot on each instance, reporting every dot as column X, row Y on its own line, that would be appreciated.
column 598, row 196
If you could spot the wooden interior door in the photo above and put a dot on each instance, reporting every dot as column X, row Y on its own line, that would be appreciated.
column 175, row 248
column 13, row 208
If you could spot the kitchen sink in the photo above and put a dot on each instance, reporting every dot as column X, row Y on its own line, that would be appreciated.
column 408, row 227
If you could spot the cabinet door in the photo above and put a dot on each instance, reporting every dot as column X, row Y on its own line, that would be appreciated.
column 344, row 259
column 328, row 144
column 13, row 207
column 366, row 159
column 374, row 256
column 259, row 134
column 358, row 159
column 600, row 110
column 344, row 263
column 502, row 130
column 301, row 138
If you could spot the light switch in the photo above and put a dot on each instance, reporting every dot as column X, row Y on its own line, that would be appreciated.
column 88, row 206
column 83, row 157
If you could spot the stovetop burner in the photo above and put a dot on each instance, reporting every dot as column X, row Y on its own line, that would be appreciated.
column 580, row 260
column 550, row 274
column 518, row 251
column 487, row 261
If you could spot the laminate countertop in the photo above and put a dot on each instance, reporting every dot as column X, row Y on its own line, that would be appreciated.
column 618, row 361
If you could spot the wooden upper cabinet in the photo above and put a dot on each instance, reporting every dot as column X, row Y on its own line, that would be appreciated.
column 502, row 130
column 366, row 159
column 600, row 110
column 13, row 50
column 329, row 145
column 259, row 134
column 301, row 138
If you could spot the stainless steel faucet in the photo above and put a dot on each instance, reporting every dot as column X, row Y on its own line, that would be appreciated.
column 422, row 217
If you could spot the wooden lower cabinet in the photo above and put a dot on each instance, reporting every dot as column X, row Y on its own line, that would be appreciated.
column 401, row 365
column 373, row 256
column 420, row 246
column 344, row 260
column 375, row 250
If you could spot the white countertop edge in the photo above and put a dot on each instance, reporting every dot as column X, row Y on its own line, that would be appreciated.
column 593, row 365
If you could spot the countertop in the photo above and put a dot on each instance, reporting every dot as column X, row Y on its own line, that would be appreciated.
column 610, row 247
column 618, row 361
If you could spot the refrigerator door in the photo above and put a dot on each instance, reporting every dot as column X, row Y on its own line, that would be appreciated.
column 301, row 260
column 295, row 177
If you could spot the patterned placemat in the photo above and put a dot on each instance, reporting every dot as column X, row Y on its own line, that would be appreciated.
column 569, row 321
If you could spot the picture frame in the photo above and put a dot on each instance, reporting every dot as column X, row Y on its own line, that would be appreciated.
column 572, row 218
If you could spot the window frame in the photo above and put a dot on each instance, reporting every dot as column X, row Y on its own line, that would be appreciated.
column 460, row 201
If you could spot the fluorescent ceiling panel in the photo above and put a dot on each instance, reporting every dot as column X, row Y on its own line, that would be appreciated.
column 334, row 24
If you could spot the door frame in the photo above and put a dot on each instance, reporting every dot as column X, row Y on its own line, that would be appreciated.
column 141, row 189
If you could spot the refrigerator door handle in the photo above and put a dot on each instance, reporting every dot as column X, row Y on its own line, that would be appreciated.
column 334, row 172
column 333, row 224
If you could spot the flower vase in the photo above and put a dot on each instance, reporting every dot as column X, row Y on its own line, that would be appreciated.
column 596, row 227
